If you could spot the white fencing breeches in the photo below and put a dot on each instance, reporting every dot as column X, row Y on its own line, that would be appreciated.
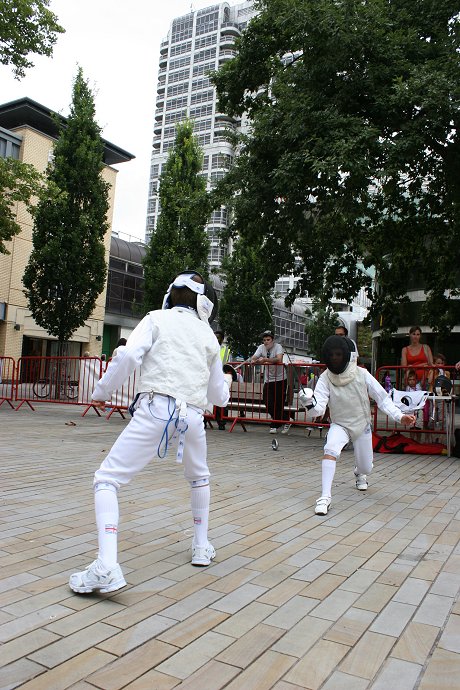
column 338, row 437
column 138, row 444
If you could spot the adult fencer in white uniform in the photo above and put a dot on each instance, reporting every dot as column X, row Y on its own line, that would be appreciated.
column 346, row 388
column 181, row 369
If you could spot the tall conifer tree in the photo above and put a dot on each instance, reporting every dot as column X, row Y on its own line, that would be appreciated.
column 247, row 302
column 67, row 269
column 180, row 240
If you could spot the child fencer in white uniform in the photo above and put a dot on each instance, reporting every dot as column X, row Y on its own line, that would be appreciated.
column 181, row 372
column 346, row 388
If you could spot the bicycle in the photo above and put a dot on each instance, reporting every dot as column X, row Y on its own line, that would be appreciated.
column 43, row 388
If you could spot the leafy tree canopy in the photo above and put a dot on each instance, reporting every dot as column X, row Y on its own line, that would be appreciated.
column 354, row 153
column 180, row 240
column 67, row 270
column 244, row 310
column 19, row 182
column 26, row 26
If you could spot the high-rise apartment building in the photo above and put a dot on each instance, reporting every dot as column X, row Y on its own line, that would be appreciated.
column 197, row 44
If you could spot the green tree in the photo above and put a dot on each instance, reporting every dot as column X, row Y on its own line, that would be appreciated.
column 322, row 323
column 180, row 240
column 354, row 152
column 26, row 26
column 67, row 269
column 246, row 301
column 19, row 182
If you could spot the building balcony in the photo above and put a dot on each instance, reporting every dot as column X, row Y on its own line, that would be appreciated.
column 228, row 41
column 225, row 120
column 226, row 54
column 230, row 28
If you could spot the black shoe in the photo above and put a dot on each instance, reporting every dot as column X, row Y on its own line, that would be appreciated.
column 221, row 427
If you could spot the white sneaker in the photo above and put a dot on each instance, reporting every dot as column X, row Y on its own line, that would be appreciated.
column 203, row 555
column 97, row 577
column 286, row 428
column 361, row 482
column 273, row 430
column 322, row 505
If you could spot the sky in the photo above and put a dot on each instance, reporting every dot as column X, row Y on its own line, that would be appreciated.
column 117, row 44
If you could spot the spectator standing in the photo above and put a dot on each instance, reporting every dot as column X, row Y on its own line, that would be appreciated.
column 270, row 354
column 417, row 356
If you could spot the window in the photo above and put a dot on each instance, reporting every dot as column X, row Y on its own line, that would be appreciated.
column 182, row 28
column 9, row 145
column 178, row 76
column 204, row 139
column 205, row 41
column 220, row 216
column 204, row 55
column 179, row 62
column 207, row 22
column 202, row 97
column 201, row 125
column 222, row 160
column 177, row 89
column 201, row 110
column 219, row 175
column 175, row 117
column 201, row 83
column 204, row 68
column 181, row 48
column 176, row 103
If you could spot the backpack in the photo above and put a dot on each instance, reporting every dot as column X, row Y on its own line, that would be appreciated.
column 398, row 443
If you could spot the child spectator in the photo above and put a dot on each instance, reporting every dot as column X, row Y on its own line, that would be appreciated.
column 414, row 385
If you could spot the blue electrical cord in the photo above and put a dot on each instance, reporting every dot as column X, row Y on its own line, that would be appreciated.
column 165, row 438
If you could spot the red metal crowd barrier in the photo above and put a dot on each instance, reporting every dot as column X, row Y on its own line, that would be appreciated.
column 7, row 380
column 121, row 398
column 436, row 421
column 64, row 380
column 252, row 400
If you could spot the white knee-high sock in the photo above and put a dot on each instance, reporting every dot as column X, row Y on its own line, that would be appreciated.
column 200, row 496
column 327, row 475
column 107, row 515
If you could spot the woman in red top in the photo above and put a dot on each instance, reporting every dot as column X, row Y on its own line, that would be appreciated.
column 416, row 355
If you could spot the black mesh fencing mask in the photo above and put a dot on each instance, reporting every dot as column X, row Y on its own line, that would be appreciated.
column 336, row 353
column 442, row 385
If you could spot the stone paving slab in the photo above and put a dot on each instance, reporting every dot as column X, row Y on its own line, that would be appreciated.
column 365, row 598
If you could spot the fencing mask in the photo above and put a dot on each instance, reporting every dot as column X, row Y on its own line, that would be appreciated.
column 206, row 300
column 409, row 401
column 337, row 352
column 442, row 385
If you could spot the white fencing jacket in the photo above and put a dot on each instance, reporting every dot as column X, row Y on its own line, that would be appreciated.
column 349, row 405
column 178, row 355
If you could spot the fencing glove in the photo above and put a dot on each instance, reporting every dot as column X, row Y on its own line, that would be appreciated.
column 307, row 398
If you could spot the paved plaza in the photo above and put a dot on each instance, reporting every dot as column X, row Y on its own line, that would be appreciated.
column 364, row 598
